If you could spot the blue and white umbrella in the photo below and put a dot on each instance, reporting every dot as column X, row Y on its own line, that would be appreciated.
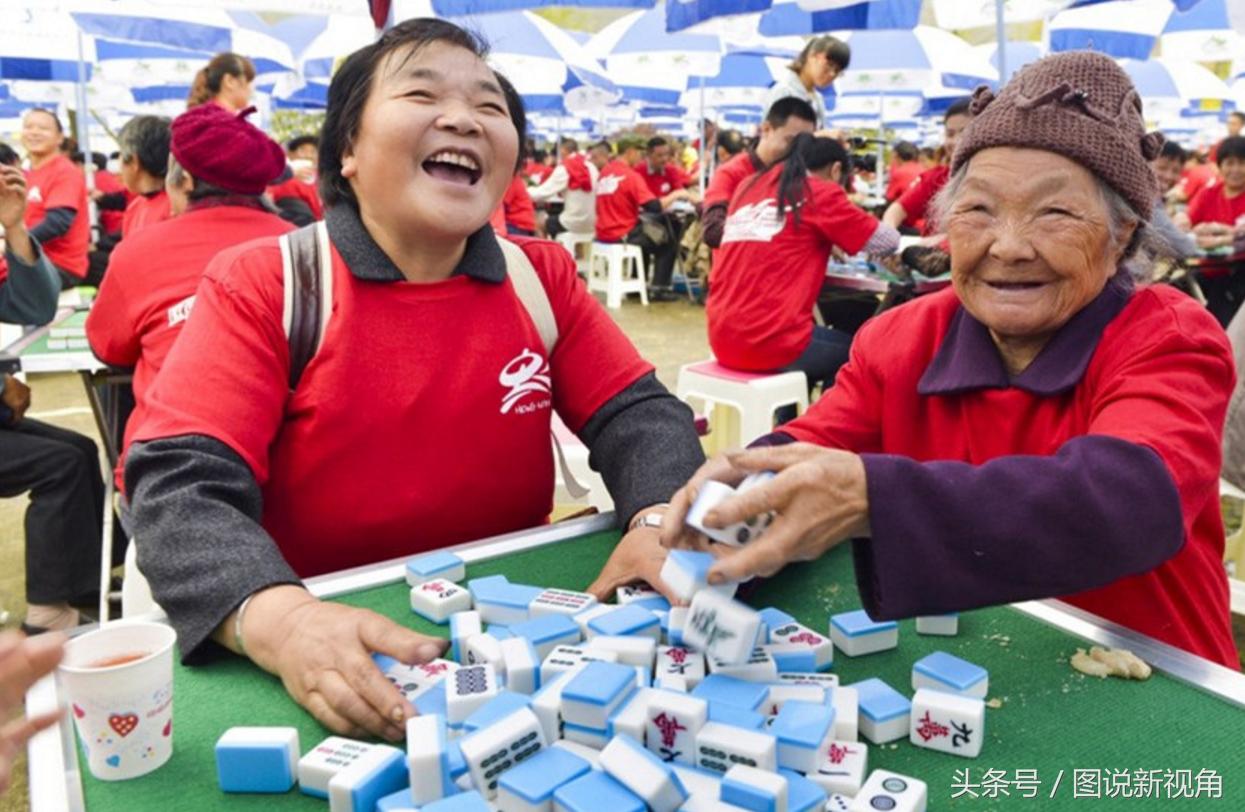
column 462, row 8
column 37, row 45
column 1203, row 33
column 913, row 60
column 1171, row 85
column 743, row 81
column 1018, row 55
column 1120, row 28
column 802, row 17
column 649, row 64
column 957, row 15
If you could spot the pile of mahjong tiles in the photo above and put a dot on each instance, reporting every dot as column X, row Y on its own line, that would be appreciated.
column 553, row 701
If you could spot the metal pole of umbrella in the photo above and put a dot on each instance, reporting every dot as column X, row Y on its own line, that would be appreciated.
column 81, row 120
column 880, row 173
column 704, row 147
column 1000, row 13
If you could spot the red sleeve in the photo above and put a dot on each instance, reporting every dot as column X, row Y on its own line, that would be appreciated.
column 234, row 347
column 66, row 189
column 639, row 189
column 681, row 179
column 916, row 199
column 593, row 360
column 841, row 221
column 722, row 185
column 112, row 328
column 848, row 415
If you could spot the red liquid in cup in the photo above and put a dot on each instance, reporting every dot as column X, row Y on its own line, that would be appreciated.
column 118, row 659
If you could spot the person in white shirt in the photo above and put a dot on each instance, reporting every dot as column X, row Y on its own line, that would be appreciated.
column 817, row 66
column 575, row 180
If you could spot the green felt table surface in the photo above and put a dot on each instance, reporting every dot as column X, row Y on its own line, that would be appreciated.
column 1052, row 718
column 40, row 345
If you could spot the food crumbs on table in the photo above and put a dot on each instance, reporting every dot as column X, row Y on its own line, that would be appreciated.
column 1103, row 662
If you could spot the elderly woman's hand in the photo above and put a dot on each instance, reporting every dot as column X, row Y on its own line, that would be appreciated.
column 639, row 556
column 1212, row 235
column 323, row 654
column 819, row 497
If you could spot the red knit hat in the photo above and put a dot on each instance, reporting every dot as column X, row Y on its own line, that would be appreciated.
column 1078, row 104
column 225, row 150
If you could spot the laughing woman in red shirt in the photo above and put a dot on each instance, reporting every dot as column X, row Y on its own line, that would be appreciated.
column 423, row 418
column 56, row 206
column 779, row 233
column 1040, row 429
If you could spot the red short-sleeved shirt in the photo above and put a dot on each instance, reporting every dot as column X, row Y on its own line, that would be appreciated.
column 1159, row 377
column 663, row 183
column 726, row 180
column 1196, row 178
column 425, row 402
column 903, row 175
column 142, row 304
column 300, row 190
column 146, row 210
column 916, row 200
column 620, row 194
column 768, row 272
column 537, row 172
column 60, row 184
column 108, row 183
column 1211, row 205
column 520, row 210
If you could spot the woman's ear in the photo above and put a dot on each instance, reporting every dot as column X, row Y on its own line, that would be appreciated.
column 836, row 173
column 1126, row 237
column 350, row 167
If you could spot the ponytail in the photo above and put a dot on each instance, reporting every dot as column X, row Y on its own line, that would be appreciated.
column 209, row 79
column 808, row 153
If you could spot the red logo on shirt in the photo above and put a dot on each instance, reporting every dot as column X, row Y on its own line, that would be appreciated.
column 526, row 374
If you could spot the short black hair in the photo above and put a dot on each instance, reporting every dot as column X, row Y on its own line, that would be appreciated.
column 655, row 142
column 906, row 151
column 352, row 85
column 147, row 139
column 602, row 144
column 731, row 141
column 1172, row 150
column 835, row 49
column 1230, row 147
column 788, row 106
column 100, row 160
column 539, row 155
column 518, row 116
column 959, row 107
column 1237, row 114
column 8, row 155
column 300, row 141
column 569, row 142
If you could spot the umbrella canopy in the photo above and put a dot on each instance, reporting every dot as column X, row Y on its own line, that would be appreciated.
column 911, row 60
column 1203, row 33
column 812, row 16
column 459, row 8
column 1171, row 84
column 649, row 64
column 34, row 46
column 1019, row 54
column 1121, row 28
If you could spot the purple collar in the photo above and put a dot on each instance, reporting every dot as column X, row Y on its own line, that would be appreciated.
column 967, row 358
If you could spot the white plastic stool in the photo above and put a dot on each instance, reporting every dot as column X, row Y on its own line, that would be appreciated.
column 136, row 596
column 754, row 396
column 617, row 269
column 576, row 455
column 572, row 243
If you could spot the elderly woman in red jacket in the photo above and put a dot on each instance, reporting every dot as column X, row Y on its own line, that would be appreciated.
column 1043, row 428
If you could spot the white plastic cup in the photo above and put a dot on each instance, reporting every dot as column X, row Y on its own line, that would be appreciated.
column 123, row 712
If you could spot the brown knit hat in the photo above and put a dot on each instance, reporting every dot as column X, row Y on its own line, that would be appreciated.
column 1078, row 104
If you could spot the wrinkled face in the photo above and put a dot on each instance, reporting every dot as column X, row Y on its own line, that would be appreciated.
column 952, row 128
column 40, row 135
column 775, row 142
column 659, row 157
column 1233, row 172
column 1030, row 241
column 436, row 148
column 1167, row 170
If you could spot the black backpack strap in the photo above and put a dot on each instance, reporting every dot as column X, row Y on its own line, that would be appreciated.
column 307, row 276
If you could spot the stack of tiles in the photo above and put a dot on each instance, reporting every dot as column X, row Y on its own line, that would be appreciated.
column 591, row 696
column 428, row 759
column 257, row 759
column 941, row 671
column 754, row 790
column 887, row 790
column 686, row 572
column 566, row 658
column 505, row 744
column 530, row 786
column 884, row 712
column 722, row 628
column 797, row 648
column 437, row 599
column 596, row 792
column 559, row 602
column 548, row 631
column 856, row 634
column 949, row 723
column 842, row 768
column 380, row 771
column 435, row 565
column 804, row 730
column 673, row 723
column 645, row 775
